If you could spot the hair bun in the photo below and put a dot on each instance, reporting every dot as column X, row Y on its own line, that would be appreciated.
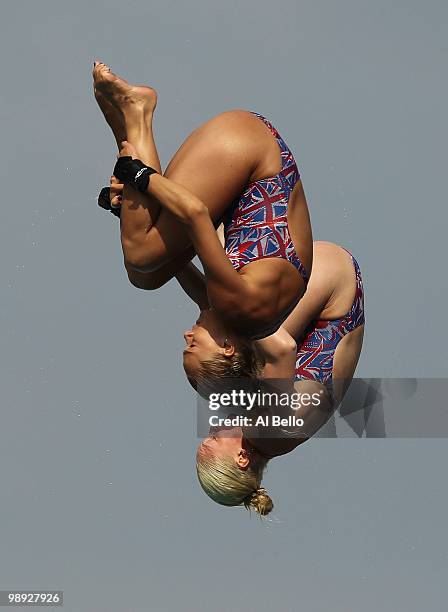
column 261, row 502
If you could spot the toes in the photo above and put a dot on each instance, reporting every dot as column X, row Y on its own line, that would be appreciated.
column 99, row 69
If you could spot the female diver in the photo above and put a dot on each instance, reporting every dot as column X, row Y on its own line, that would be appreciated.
column 318, row 346
column 156, row 246
column 236, row 166
column 328, row 326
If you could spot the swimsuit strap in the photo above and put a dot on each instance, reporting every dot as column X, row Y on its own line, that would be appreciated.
column 289, row 169
column 270, row 126
column 291, row 175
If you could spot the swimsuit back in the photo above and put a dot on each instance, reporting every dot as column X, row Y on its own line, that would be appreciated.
column 256, row 224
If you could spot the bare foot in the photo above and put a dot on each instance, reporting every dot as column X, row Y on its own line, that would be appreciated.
column 131, row 100
column 112, row 116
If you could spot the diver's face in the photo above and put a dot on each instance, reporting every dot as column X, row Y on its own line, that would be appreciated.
column 205, row 340
column 228, row 442
column 222, row 441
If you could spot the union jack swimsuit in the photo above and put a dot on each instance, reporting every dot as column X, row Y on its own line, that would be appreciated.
column 256, row 224
column 316, row 352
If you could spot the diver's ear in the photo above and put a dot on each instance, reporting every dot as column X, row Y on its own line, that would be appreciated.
column 243, row 458
column 228, row 349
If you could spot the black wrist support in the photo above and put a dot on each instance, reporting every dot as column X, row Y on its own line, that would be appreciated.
column 133, row 172
column 104, row 202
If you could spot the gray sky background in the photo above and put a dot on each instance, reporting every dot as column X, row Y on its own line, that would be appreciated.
column 98, row 490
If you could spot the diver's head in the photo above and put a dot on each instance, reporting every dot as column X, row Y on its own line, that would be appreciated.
column 230, row 470
column 215, row 351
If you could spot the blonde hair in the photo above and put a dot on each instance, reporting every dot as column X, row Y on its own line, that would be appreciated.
column 228, row 485
column 246, row 362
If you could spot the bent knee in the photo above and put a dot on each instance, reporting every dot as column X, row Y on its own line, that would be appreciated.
column 142, row 255
column 147, row 281
column 141, row 263
column 233, row 133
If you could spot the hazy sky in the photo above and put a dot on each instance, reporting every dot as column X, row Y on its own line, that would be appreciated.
column 98, row 490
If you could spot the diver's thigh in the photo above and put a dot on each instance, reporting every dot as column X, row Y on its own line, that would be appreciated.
column 216, row 163
column 218, row 160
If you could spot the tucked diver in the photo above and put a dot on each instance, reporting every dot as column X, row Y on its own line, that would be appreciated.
column 236, row 166
column 318, row 345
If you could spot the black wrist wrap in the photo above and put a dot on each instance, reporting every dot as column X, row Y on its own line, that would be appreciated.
column 133, row 172
column 104, row 202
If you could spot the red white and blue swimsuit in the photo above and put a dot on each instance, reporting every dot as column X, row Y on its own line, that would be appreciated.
column 316, row 351
column 256, row 224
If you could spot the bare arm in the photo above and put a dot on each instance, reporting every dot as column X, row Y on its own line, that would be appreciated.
column 225, row 286
column 228, row 291
column 192, row 282
column 188, row 209
column 316, row 405
column 309, row 399
column 310, row 306
column 279, row 352
column 223, row 282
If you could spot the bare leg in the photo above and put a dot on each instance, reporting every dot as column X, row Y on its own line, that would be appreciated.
column 211, row 165
column 134, row 125
column 115, row 120
column 215, row 163
column 112, row 117
column 134, row 109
